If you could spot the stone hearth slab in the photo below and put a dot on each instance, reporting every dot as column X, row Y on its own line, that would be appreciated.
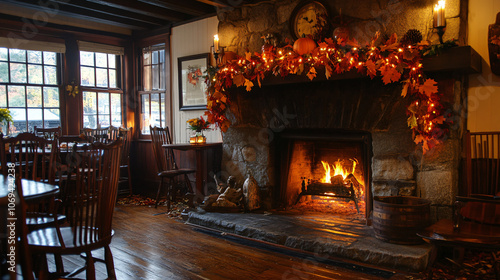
column 321, row 234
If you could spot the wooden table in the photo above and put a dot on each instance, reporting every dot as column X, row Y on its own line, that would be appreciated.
column 32, row 190
column 200, row 158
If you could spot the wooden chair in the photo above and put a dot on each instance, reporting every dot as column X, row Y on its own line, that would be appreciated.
column 48, row 133
column 97, row 134
column 126, row 135
column 165, row 162
column 482, row 163
column 475, row 225
column 32, row 158
column 89, row 196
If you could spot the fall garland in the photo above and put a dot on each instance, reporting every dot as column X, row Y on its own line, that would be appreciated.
column 393, row 62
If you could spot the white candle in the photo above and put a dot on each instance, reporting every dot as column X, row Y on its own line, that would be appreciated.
column 216, row 42
column 439, row 18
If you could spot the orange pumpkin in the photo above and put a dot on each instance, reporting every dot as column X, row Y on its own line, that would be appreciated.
column 304, row 45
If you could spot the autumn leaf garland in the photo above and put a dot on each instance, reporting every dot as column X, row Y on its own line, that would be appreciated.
column 393, row 62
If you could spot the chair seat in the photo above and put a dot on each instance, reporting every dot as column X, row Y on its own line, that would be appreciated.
column 42, row 220
column 47, row 240
column 176, row 172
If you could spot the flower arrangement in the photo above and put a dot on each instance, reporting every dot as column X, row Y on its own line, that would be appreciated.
column 5, row 118
column 198, row 124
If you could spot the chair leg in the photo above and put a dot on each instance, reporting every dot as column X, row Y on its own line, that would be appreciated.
column 158, row 193
column 110, row 265
column 129, row 180
column 169, row 192
column 90, row 273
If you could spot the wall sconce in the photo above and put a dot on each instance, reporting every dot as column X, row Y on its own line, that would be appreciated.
column 217, row 49
column 439, row 19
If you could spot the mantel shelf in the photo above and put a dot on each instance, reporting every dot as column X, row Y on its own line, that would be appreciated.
column 463, row 59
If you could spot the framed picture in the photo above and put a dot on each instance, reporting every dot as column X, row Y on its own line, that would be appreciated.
column 192, row 85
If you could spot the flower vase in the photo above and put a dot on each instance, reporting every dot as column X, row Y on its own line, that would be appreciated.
column 198, row 138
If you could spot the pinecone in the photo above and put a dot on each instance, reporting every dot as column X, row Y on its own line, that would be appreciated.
column 411, row 37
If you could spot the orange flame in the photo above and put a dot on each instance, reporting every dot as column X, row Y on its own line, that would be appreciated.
column 337, row 168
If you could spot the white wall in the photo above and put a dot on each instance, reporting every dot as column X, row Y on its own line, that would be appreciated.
column 190, row 39
column 484, row 90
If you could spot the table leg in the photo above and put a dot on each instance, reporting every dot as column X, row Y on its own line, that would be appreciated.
column 199, row 172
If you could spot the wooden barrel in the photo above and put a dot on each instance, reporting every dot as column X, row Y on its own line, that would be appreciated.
column 397, row 219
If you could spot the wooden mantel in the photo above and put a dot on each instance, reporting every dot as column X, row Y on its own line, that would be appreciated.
column 462, row 59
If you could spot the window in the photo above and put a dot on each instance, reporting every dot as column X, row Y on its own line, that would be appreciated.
column 100, row 84
column 153, row 94
column 29, row 88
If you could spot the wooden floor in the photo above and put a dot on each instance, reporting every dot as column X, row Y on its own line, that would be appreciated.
column 149, row 246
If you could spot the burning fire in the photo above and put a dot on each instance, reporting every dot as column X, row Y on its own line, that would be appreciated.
column 337, row 168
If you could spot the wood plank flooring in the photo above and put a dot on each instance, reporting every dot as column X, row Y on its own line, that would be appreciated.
column 149, row 246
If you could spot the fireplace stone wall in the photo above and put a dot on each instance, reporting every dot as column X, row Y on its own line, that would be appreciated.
column 398, row 166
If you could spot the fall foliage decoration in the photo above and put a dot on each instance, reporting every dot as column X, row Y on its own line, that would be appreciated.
column 72, row 89
column 392, row 61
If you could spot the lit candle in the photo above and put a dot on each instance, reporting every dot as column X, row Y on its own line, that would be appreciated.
column 439, row 20
column 216, row 42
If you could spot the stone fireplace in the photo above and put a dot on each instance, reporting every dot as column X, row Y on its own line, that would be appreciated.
column 266, row 122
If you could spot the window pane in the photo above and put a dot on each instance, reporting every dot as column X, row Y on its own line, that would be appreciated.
column 103, row 106
column 50, row 75
column 19, row 117
column 102, row 77
column 116, row 109
column 146, row 58
column 3, row 54
column 154, row 57
column 51, row 97
column 17, row 73
column 156, row 76
column 112, row 61
column 17, row 96
column 87, row 74
column 35, row 57
column 4, row 72
column 35, row 118
column 104, row 120
column 155, row 110
column 35, row 75
column 162, row 76
column 34, row 96
column 145, row 114
column 52, row 118
column 86, row 58
column 3, row 96
column 162, row 107
column 89, row 102
column 147, row 77
column 49, row 58
column 89, row 109
column 112, row 78
column 162, row 56
column 17, row 55
column 101, row 60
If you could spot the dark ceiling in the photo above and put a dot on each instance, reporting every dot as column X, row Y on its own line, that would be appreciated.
column 126, row 15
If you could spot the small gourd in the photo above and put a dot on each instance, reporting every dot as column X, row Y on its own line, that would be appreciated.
column 304, row 45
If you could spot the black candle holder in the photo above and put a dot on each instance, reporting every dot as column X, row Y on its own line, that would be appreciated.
column 440, row 32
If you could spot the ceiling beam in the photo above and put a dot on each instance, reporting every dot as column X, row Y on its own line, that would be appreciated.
column 145, row 9
column 85, row 14
column 190, row 7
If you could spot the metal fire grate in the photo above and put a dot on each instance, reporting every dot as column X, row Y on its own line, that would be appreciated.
column 335, row 190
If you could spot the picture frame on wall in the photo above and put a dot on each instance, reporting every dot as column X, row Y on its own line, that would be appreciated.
column 192, row 85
